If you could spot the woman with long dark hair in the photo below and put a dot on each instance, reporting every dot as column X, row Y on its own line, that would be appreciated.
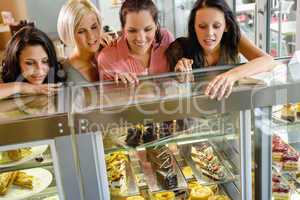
column 141, row 49
column 214, row 38
column 30, row 64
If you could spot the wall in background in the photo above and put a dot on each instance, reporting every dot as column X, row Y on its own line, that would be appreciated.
column 44, row 13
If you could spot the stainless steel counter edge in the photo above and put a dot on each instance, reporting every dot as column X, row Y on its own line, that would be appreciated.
column 34, row 129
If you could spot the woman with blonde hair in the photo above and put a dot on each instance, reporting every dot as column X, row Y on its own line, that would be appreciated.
column 79, row 26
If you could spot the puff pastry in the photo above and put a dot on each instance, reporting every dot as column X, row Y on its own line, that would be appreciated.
column 23, row 180
column 6, row 179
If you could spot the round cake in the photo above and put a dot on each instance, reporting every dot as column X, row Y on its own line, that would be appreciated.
column 201, row 193
column 164, row 196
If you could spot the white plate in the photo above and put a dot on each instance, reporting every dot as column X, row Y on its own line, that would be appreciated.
column 42, row 179
column 35, row 151
column 52, row 198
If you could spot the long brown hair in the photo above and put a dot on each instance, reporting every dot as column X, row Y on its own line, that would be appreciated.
column 231, row 38
column 139, row 5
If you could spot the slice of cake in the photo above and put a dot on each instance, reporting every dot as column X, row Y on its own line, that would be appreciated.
column 290, row 160
column 288, row 113
column 167, row 180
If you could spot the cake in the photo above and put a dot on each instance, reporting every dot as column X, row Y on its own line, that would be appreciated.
column 150, row 133
column 281, row 191
column 116, row 171
column 166, row 129
column 134, row 136
column 164, row 196
column 201, row 193
column 290, row 160
column 288, row 113
column 135, row 198
column 168, row 180
column 162, row 161
column 278, row 150
column 160, row 158
column 209, row 163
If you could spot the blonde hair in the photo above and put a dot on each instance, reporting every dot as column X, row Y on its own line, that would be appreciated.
column 70, row 16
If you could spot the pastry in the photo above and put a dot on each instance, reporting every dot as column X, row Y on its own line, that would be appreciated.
column 134, row 136
column 281, row 191
column 160, row 158
column 288, row 113
column 164, row 196
column 135, row 198
column 167, row 180
column 15, row 155
column 6, row 179
column 278, row 150
column 208, row 162
column 201, row 193
column 290, row 160
column 219, row 197
column 150, row 133
column 166, row 129
column 23, row 180
column 187, row 172
column 116, row 171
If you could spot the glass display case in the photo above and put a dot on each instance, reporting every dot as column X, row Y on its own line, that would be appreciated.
column 160, row 139
column 163, row 138
column 35, row 152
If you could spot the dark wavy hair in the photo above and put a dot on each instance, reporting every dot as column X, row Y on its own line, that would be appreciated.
column 139, row 5
column 29, row 36
column 231, row 38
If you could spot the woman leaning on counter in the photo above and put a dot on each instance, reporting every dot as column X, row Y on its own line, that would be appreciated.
column 141, row 49
column 214, row 38
column 30, row 64
column 79, row 26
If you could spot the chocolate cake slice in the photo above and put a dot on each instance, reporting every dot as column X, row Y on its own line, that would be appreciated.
column 167, row 180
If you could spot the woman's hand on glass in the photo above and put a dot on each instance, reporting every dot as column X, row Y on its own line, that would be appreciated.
column 126, row 77
column 47, row 89
column 184, row 65
column 106, row 40
column 221, row 86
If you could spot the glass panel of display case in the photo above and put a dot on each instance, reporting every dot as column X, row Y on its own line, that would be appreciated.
column 154, row 148
column 286, row 151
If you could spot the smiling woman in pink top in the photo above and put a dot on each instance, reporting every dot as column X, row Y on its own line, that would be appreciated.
column 141, row 49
